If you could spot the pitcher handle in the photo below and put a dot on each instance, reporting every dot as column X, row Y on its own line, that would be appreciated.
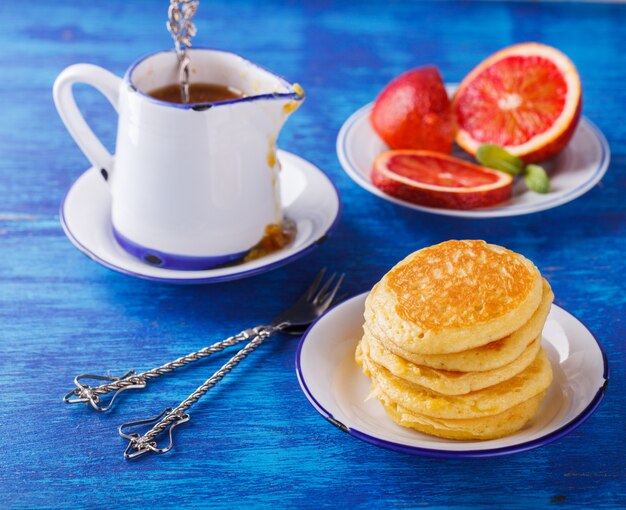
column 105, row 82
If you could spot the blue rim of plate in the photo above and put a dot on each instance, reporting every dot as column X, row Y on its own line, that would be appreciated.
column 209, row 279
column 351, row 169
column 570, row 426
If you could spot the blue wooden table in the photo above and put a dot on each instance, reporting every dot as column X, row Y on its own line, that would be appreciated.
column 255, row 441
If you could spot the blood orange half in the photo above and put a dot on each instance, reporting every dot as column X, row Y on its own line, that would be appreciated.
column 437, row 180
column 526, row 98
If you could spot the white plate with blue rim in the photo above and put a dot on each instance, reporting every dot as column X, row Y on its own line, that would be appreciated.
column 309, row 199
column 573, row 172
column 335, row 386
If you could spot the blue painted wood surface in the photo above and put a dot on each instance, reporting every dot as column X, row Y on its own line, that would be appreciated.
column 255, row 441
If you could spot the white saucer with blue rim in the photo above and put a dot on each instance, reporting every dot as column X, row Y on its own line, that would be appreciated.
column 577, row 169
column 309, row 198
column 335, row 386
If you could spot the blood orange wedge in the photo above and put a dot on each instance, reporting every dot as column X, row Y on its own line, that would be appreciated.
column 525, row 98
column 438, row 180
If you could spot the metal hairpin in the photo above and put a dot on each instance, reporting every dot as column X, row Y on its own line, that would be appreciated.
column 182, row 28
column 313, row 303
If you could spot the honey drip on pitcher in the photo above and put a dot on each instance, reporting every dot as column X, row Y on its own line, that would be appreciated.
column 277, row 236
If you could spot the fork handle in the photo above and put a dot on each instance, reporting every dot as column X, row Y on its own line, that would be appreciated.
column 145, row 443
column 85, row 393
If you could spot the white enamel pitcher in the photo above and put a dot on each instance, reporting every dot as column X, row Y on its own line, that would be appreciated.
column 192, row 186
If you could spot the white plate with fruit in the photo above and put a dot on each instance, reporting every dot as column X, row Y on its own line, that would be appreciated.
column 416, row 147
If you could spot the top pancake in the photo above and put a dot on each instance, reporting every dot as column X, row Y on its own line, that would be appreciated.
column 455, row 296
column 487, row 357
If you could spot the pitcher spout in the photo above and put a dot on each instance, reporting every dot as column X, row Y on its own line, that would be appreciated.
column 279, row 107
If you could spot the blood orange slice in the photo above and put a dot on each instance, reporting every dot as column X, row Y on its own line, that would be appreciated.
column 525, row 98
column 437, row 180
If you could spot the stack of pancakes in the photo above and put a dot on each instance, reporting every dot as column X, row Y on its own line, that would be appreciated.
column 452, row 340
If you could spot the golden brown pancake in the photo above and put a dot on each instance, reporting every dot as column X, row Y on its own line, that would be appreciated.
column 455, row 296
column 486, row 402
column 444, row 381
column 488, row 427
column 452, row 340
column 487, row 357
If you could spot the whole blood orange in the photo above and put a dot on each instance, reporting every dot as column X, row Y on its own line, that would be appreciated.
column 413, row 112
column 525, row 98
column 438, row 180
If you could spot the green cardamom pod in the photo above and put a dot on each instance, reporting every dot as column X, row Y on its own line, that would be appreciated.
column 494, row 156
column 537, row 179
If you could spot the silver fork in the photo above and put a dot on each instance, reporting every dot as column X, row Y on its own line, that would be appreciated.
column 313, row 303
column 93, row 395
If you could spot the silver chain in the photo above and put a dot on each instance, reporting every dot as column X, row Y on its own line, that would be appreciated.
column 177, row 363
column 146, row 442
column 88, row 394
